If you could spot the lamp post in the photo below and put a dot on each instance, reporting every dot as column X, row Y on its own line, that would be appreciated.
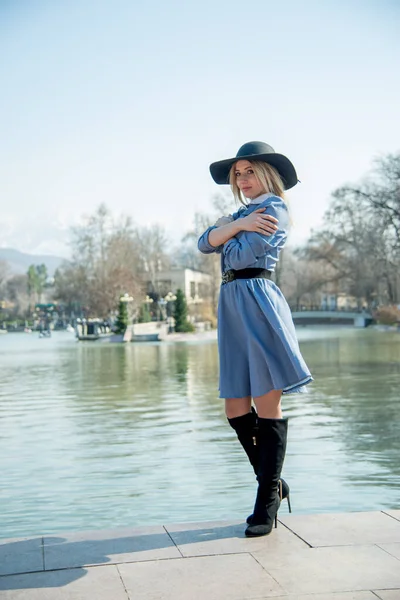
column 148, row 301
column 169, row 299
column 126, row 298
column 161, row 304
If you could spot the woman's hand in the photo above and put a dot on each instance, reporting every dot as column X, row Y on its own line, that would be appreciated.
column 223, row 221
column 258, row 222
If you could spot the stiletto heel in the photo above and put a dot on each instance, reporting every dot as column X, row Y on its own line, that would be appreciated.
column 283, row 493
column 280, row 500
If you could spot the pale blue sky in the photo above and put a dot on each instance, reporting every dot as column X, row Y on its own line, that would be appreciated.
column 127, row 103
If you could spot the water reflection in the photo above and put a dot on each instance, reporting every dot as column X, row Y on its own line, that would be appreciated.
column 101, row 436
column 358, row 375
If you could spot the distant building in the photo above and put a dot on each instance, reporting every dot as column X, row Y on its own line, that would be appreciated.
column 196, row 285
column 328, row 301
column 338, row 301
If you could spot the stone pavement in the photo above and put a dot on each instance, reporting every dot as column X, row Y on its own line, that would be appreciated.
column 351, row 556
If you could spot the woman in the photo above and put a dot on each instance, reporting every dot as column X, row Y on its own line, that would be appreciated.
column 258, row 348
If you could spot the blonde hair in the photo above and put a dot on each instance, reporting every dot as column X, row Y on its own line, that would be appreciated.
column 267, row 176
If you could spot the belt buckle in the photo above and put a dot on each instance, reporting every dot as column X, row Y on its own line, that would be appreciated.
column 227, row 276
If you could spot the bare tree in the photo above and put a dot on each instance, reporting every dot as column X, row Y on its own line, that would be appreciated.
column 153, row 254
column 188, row 255
column 104, row 265
column 302, row 280
column 16, row 292
column 4, row 274
column 360, row 238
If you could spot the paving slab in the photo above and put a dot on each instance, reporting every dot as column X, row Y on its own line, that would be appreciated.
column 21, row 555
column 229, row 577
column 112, row 546
column 395, row 514
column 352, row 556
column 334, row 596
column 344, row 529
column 215, row 537
column 340, row 569
column 99, row 583
column 388, row 594
column 393, row 549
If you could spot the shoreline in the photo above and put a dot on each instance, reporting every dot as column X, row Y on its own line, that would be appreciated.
column 191, row 337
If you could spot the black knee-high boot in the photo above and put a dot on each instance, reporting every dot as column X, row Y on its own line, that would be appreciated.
column 271, row 441
column 246, row 428
column 246, row 431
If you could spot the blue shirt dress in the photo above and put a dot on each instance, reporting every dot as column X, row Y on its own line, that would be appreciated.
column 257, row 342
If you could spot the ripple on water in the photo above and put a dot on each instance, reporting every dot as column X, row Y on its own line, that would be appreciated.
column 107, row 436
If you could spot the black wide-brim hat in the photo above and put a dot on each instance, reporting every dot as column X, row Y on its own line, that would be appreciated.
column 256, row 151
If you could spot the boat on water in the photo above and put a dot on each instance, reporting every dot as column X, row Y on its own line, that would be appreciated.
column 96, row 330
column 45, row 333
column 91, row 330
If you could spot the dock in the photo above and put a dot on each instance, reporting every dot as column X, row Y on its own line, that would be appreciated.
column 340, row 556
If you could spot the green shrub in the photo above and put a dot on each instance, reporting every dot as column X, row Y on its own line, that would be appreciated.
column 387, row 315
column 144, row 314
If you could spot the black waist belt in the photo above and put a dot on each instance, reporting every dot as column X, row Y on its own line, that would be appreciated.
column 233, row 274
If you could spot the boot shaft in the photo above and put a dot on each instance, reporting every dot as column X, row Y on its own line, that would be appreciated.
column 246, row 431
column 271, row 441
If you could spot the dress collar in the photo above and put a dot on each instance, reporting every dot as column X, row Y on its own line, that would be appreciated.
column 261, row 198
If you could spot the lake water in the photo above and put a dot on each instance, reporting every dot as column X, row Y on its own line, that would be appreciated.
column 98, row 436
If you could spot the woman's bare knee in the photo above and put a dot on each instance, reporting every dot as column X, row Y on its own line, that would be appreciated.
column 269, row 405
column 236, row 407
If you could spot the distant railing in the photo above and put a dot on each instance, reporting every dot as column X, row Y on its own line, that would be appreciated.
column 360, row 318
column 331, row 310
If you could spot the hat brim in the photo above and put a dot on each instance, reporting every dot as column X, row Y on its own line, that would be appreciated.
column 220, row 170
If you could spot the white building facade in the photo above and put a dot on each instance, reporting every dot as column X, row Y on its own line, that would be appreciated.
column 195, row 285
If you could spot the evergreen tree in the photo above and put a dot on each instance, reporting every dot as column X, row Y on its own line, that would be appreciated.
column 122, row 321
column 180, row 314
column 144, row 314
